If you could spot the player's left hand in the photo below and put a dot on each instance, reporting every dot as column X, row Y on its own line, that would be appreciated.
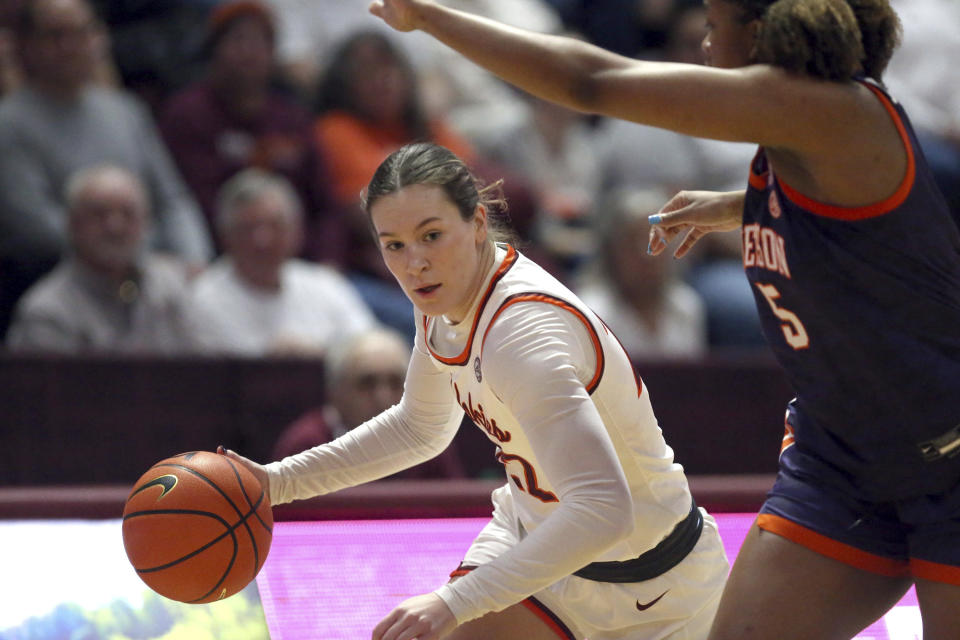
column 694, row 213
column 425, row 617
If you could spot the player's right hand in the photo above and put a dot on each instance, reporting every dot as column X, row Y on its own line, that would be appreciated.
column 399, row 14
column 695, row 213
column 256, row 469
column 425, row 617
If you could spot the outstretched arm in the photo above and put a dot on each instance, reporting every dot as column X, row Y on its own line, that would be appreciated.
column 551, row 67
column 418, row 428
column 752, row 104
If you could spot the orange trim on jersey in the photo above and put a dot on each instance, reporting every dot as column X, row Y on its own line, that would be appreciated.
column 872, row 210
column 563, row 304
column 462, row 570
column 548, row 618
column 789, row 437
column 758, row 180
column 536, row 607
column 857, row 558
column 935, row 572
column 464, row 355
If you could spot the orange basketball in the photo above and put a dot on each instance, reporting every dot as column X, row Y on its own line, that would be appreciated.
column 197, row 527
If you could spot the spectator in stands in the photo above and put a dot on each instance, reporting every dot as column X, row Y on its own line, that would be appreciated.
column 363, row 377
column 258, row 299
column 635, row 156
column 236, row 117
column 644, row 302
column 308, row 30
column 11, row 74
column 368, row 105
column 477, row 103
column 108, row 294
column 555, row 150
column 368, row 102
column 60, row 121
column 929, row 85
column 638, row 156
column 157, row 46
column 627, row 27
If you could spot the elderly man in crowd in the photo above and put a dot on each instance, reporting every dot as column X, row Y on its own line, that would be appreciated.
column 108, row 294
column 61, row 120
column 258, row 299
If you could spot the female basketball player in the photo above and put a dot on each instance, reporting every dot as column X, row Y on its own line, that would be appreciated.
column 595, row 533
column 854, row 260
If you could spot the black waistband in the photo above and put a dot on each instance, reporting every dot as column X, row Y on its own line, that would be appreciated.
column 654, row 562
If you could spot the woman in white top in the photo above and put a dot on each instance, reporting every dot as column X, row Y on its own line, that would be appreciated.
column 595, row 533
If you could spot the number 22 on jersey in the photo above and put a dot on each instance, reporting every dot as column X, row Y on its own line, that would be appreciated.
column 528, row 483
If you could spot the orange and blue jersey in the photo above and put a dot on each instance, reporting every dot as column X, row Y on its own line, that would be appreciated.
column 861, row 306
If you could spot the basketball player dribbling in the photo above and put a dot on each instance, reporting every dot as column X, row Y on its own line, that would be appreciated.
column 854, row 260
column 595, row 534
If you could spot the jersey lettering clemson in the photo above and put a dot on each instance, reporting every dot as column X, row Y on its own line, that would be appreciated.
column 763, row 247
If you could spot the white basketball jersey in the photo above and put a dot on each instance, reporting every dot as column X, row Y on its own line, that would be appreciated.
column 657, row 485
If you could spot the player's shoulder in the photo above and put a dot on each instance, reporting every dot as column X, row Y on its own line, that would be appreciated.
column 59, row 284
column 536, row 317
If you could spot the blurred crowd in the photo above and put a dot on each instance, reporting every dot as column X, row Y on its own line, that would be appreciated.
column 184, row 177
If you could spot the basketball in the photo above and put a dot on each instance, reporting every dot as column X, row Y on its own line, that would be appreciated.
column 197, row 527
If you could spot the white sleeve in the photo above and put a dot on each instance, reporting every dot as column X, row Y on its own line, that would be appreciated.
column 417, row 429
column 536, row 358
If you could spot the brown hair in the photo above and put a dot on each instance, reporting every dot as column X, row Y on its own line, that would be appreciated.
column 335, row 90
column 830, row 39
column 431, row 164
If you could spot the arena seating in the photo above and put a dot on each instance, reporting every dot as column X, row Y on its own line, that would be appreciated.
column 76, row 432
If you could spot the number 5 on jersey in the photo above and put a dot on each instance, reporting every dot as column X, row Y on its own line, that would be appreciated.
column 793, row 329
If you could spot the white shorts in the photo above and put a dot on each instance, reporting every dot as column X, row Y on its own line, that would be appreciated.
column 677, row 605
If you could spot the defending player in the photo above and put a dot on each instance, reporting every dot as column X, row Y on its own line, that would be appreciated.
column 854, row 260
column 595, row 533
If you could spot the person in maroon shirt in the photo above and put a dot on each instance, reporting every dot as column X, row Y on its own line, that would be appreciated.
column 237, row 116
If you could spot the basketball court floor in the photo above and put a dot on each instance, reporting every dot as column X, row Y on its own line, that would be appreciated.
column 329, row 580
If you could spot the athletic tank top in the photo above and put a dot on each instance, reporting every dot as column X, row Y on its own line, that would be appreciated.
column 657, row 484
column 861, row 306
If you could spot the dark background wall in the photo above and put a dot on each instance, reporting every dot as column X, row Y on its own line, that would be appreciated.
column 106, row 420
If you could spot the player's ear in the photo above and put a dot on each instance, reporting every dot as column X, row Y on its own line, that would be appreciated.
column 480, row 222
